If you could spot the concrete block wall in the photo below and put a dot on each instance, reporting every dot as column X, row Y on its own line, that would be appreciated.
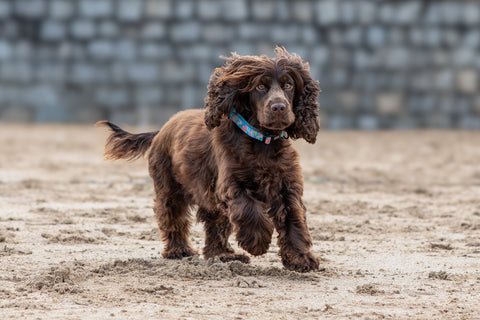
column 381, row 64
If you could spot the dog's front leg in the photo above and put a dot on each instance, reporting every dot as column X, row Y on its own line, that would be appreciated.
column 252, row 226
column 289, row 216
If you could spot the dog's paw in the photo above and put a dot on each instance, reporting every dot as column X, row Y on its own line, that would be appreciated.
column 255, row 243
column 301, row 262
column 179, row 253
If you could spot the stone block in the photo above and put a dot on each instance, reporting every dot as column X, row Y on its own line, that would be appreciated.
column 153, row 30
column 143, row 72
column 432, row 37
column 438, row 121
column 88, row 114
column 263, row 10
column 367, row 122
column 204, row 71
column 366, row 102
column 54, row 72
column 463, row 57
column 366, row 12
column 9, row 95
column 90, row 74
column 158, row 8
column 6, row 50
column 443, row 79
column 198, row 51
column 421, row 103
column 386, row 13
column 17, row 114
column 61, row 9
column 389, row 103
column 150, row 95
column 71, row 50
column 53, row 30
column 476, row 104
column 101, row 49
column 5, row 9
column 339, row 77
column 308, row 35
column 397, row 36
column 23, row 50
column 327, row 12
column 450, row 13
column 397, row 58
column 404, row 122
column 407, row 12
column 432, row 15
column 10, row 29
column 191, row 97
column 283, row 10
column 348, row 100
column 118, row 72
column 185, row 32
column 111, row 97
column 126, row 49
column 16, row 72
column 281, row 33
column 251, row 31
column 209, row 10
column 348, row 13
column 440, row 57
column 450, row 37
column 217, row 32
column 421, row 80
column 155, row 51
column 96, row 8
column 174, row 72
column 108, row 29
column 302, row 11
column 470, row 13
column 320, row 55
column 376, row 36
column 30, row 8
column 469, row 122
column 83, row 29
column 353, row 36
column 340, row 122
column 46, row 101
column 184, row 9
column 241, row 47
column 130, row 10
column 467, row 81
column 235, row 10
column 471, row 38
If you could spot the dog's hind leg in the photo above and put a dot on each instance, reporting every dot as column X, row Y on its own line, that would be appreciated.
column 171, row 210
column 217, row 230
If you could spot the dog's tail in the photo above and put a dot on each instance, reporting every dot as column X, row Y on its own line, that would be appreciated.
column 124, row 145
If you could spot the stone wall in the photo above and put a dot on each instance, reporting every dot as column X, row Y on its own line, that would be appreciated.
column 381, row 64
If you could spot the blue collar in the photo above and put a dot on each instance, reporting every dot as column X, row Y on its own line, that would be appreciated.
column 252, row 131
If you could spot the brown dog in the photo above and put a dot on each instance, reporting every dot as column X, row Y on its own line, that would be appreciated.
column 234, row 161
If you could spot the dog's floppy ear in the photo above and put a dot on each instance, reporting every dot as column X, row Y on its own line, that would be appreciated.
column 305, row 105
column 221, row 94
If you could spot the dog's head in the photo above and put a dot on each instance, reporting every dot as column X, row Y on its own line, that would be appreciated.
column 274, row 95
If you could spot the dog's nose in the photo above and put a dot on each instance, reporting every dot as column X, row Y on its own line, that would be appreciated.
column 278, row 107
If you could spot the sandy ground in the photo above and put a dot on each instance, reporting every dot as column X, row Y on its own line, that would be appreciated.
column 395, row 217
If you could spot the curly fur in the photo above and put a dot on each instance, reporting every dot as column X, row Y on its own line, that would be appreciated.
column 240, row 185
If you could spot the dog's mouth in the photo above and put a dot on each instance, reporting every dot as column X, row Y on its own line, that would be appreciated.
column 280, row 122
column 277, row 126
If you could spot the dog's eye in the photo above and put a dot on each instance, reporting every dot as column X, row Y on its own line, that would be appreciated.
column 261, row 87
column 287, row 86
